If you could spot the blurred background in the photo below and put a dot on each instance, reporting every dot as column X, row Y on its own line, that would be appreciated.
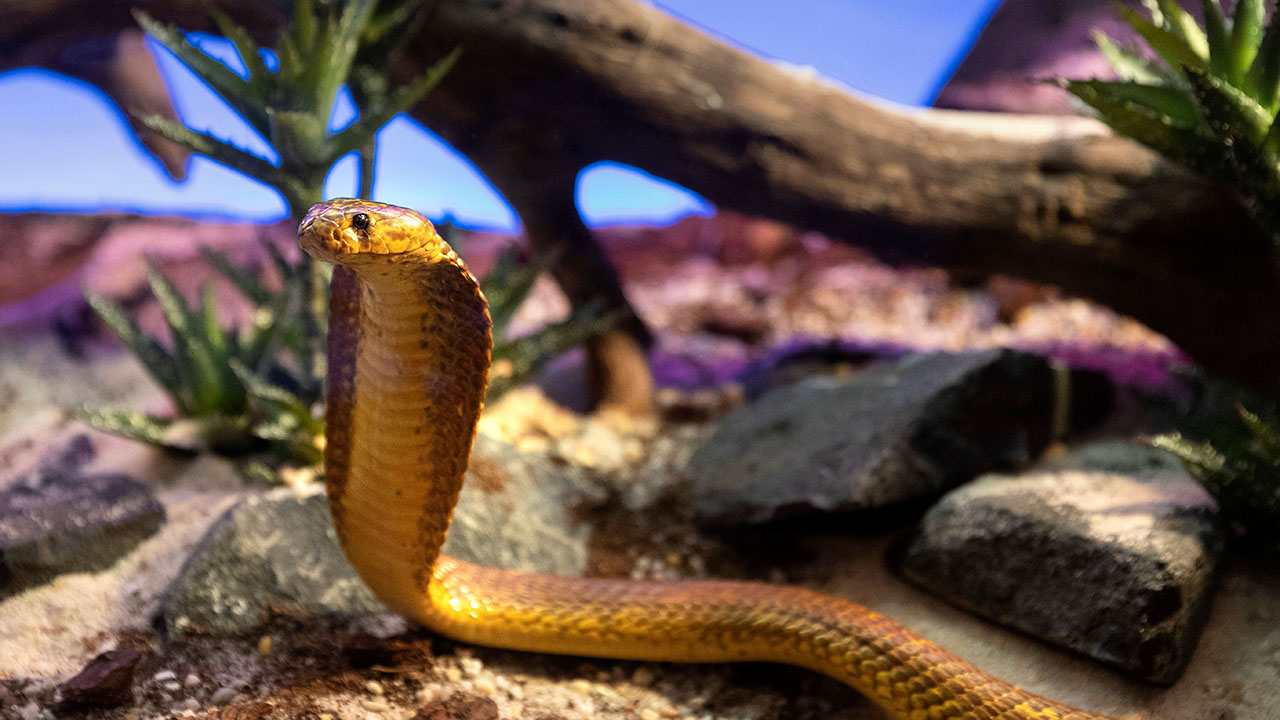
column 66, row 148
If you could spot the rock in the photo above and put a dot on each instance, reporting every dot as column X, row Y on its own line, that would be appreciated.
column 1027, row 42
column 277, row 552
column 891, row 434
column 1109, row 551
column 54, row 520
column 365, row 650
column 459, row 707
column 107, row 681
column 274, row 552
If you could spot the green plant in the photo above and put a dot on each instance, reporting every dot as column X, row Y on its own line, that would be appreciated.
column 1238, row 462
column 235, row 391
column 1209, row 102
column 260, row 388
column 213, row 375
column 515, row 359
column 325, row 46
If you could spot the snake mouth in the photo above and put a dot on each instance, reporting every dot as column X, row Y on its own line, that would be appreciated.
column 324, row 239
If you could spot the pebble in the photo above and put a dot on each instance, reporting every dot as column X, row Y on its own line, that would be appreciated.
column 223, row 695
column 643, row 677
column 649, row 714
column 515, row 710
column 192, row 680
column 516, row 692
column 471, row 666
column 453, row 675
column 425, row 695
column 486, row 686
column 172, row 686
column 375, row 706
column 191, row 704
column 164, row 675
column 264, row 645
column 374, row 687
column 580, row 686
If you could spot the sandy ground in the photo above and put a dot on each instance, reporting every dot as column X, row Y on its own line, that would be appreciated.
column 48, row 632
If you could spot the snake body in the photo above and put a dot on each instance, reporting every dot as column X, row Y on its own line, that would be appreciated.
column 409, row 346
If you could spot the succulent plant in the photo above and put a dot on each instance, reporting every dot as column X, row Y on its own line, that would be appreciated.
column 1237, row 459
column 1209, row 100
column 259, row 388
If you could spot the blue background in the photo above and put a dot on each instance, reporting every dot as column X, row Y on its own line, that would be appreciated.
column 65, row 147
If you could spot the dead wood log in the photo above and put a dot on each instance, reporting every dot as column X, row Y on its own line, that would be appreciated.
column 1057, row 200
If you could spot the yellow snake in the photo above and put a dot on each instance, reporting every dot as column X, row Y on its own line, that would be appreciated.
column 409, row 345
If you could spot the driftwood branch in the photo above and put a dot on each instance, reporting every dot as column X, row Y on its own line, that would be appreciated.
column 546, row 87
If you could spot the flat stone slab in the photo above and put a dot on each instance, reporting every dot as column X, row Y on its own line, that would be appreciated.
column 1110, row 551
column 55, row 520
column 895, row 433
column 278, row 553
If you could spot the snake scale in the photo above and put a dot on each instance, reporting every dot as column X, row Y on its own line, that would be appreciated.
column 409, row 346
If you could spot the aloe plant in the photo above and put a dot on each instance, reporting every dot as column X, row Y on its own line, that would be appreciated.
column 214, row 376
column 1237, row 459
column 323, row 48
column 1210, row 99
column 259, row 388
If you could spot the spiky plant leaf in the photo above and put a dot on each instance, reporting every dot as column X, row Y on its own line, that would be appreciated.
column 1218, row 37
column 1129, row 65
column 1163, row 101
column 516, row 359
column 1262, row 81
column 508, row 284
column 1238, row 462
column 245, row 282
column 1266, row 433
column 215, row 149
column 128, row 424
column 1180, row 22
column 1188, row 146
column 250, row 54
column 157, row 361
column 1169, row 45
column 1243, row 126
column 1228, row 111
column 198, row 362
column 234, row 90
column 1246, row 34
column 381, row 111
column 340, row 51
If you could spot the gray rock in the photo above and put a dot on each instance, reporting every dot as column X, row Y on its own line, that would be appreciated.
column 278, row 553
column 54, row 520
column 894, row 433
column 1110, row 551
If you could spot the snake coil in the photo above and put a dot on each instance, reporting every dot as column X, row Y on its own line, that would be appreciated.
column 409, row 345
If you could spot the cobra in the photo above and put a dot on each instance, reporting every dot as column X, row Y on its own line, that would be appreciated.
column 409, row 344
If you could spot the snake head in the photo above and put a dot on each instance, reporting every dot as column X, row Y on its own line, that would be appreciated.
column 345, row 231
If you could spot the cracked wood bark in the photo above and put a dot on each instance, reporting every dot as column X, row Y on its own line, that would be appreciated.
column 1057, row 200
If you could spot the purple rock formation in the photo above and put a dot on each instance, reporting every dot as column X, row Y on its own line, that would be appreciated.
column 1029, row 41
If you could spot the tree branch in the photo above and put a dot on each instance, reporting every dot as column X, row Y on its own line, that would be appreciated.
column 1058, row 200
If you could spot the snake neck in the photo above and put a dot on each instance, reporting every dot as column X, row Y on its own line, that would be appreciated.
column 409, row 346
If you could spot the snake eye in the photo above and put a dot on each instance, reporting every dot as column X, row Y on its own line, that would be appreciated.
column 360, row 221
